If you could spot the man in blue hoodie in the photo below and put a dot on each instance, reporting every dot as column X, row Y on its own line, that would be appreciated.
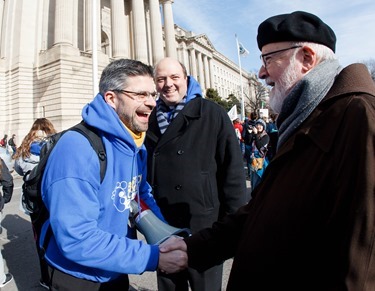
column 194, row 165
column 91, row 247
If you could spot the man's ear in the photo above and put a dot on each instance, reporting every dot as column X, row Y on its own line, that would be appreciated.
column 111, row 99
column 309, row 59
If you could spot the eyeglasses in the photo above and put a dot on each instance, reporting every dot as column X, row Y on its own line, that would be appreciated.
column 141, row 96
column 266, row 61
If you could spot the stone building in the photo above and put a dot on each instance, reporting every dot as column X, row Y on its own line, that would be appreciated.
column 50, row 59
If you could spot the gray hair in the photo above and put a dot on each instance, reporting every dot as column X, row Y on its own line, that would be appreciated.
column 115, row 75
column 322, row 52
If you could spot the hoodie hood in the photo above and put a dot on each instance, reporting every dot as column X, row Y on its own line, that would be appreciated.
column 100, row 115
column 193, row 90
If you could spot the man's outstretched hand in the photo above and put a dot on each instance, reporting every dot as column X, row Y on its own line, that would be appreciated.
column 173, row 257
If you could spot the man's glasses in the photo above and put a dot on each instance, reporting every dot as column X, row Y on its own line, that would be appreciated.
column 266, row 59
column 141, row 96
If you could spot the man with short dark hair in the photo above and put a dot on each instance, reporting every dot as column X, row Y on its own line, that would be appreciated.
column 91, row 247
column 311, row 222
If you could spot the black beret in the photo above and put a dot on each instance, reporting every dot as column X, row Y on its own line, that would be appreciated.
column 296, row 26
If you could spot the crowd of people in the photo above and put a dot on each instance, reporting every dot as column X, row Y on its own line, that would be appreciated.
column 10, row 145
column 257, row 137
column 309, row 222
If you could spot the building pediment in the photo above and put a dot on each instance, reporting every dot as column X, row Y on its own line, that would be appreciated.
column 189, row 37
column 204, row 41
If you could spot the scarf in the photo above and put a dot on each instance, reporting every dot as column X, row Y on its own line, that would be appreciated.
column 305, row 97
column 262, row 151
column 165, row 114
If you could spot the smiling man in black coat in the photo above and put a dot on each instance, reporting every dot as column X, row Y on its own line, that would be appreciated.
column 194, row 164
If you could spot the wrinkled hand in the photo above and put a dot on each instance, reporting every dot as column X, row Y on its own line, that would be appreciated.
column 173, row 257
column 174, row 242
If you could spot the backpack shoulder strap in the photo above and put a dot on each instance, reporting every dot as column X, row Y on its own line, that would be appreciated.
column 96, row 142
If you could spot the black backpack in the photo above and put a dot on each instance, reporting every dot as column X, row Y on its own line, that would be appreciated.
column 31, row 187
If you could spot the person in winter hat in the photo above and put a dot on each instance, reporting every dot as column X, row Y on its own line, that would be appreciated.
column 311, row 222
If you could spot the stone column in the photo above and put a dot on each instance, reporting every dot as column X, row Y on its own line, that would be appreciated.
column 170, row 39
column 1, row 15
column 184, row 58
column 200, row 71
column 156, row 31
column 119, row 29
column 5, row 8
column 210, row 65
column 88, row 25
column 75, row 24
column 139, row 27
column 206, row 72
column 63, row 22
column 193, row 69
column 44, row 32
column 148, row 36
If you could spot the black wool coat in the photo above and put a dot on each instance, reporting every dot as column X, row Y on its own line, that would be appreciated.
column 195, row 168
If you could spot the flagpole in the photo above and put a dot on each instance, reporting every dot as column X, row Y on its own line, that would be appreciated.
column 94, row 49
column 242, row 97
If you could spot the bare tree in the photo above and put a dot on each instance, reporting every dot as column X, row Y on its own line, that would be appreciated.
column 259, row 100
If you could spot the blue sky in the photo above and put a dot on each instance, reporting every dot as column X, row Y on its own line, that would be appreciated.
column 353, row 22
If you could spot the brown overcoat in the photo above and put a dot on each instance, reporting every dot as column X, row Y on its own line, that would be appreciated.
column 311, row 224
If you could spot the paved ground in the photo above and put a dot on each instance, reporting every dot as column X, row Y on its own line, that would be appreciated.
column 20, row 256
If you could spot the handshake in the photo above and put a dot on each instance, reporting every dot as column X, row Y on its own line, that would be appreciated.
column 173, row 255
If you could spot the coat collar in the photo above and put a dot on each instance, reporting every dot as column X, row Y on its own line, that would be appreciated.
column 192, row 110
column 324, row 122
column 354, row 79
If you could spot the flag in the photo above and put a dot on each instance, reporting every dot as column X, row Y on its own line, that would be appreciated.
column 233, row 113
column 242, row 50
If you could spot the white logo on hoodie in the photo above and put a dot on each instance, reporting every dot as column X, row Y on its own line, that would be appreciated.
column 125, row 192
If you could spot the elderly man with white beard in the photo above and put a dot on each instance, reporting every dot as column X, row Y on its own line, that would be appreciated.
column 311, row 222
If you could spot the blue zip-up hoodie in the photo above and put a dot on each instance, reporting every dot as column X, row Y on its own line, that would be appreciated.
column 90, row 220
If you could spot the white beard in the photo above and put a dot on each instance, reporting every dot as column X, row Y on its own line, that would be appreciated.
column 282, row 88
